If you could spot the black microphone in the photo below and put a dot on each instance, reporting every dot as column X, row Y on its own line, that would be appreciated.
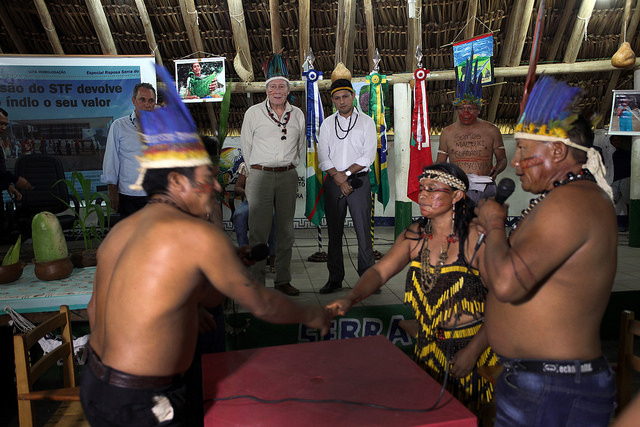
column 504, row 190
column 258, row 252
column 355, row 183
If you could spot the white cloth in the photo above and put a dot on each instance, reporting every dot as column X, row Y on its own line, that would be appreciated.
column 478, row 182
column 359, row 145
column 261, row 138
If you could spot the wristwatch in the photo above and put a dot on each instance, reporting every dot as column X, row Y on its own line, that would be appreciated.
column 347, row 172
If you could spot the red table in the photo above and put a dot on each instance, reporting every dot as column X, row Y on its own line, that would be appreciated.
column 369, row 369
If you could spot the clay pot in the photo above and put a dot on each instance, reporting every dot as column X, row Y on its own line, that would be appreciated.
column 53, row 270
column 11, row 273
column 85, row 258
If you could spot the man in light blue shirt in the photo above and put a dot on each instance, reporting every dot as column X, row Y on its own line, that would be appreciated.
column 120, row 164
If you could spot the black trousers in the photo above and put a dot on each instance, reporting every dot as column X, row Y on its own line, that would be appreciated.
column 359, row 203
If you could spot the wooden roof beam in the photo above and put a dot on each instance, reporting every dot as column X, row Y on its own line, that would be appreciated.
column 148, row 30
column 345, row 33
column 371, row 30
column 577, row 36
column 99, row 20
column 471, row 19
column 414, row 37
column 190, row 18
column 11, row 30
column 240, row 38
column 304, row 28
column 48, row 26
column 561, row 28
column 514, row 44
column 276, row 32
column 449, row 74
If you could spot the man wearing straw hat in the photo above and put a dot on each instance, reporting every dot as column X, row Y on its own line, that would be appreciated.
column 154, row 270
column 550, row 280
column 346, row 148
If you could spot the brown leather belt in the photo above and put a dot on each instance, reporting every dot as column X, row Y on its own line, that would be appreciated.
column 124, row 380
column 270, row 169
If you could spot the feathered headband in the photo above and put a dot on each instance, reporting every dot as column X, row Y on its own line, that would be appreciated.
column 169, row 135
column 548, row 116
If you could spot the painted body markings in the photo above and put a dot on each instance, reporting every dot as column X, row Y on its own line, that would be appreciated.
column 530, row 162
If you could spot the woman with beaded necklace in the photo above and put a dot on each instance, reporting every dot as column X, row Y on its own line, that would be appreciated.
column 445, row 292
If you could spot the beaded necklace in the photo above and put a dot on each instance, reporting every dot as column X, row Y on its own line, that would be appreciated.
column 584, row 174
column 281, row 124
column 430, row 279
column 349, row 126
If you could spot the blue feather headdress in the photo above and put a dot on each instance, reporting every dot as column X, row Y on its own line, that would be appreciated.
column 550, row 109
column 469, row 85
column 169, row 135
column 549, row 114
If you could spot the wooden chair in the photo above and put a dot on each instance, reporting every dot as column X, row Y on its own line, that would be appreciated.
column 27, row 373
column 627, row 361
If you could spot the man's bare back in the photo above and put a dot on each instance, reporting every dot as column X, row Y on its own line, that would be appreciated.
column 147, row 291
column 472, row 147
column 155, row 267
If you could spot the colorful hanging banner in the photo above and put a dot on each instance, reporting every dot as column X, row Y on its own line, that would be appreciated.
column 378, row 175
column 314, row 209
column 420, row 152
column 482, row 49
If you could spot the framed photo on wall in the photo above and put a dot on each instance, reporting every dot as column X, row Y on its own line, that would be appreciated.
column 625, row 113
column 201, row 79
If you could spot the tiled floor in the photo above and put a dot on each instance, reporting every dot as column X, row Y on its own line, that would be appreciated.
column 309, row 277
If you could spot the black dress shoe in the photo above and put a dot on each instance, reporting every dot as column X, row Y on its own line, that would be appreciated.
column 330, row 287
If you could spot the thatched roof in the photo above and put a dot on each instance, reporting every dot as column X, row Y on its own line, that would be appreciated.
column 128, row 27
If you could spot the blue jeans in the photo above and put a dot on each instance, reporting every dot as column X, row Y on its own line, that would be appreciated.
column 537, row 399
column 240, row 220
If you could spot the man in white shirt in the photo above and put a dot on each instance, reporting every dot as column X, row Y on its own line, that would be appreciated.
column 120, row 165
column 272, row 140
column 346, row 148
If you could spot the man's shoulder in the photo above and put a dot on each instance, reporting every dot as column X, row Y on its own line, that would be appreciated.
column 582, row 201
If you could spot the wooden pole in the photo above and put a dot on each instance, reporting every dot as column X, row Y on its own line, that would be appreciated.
column 441, row 75
column 469, row 30
column 48, row 26
column 579, row 29
column 148, row 30
column 567, row 13
column 99, row 19
column 414, row 37
column 240, row 38
column 276, row 32
column 304, row 29
column 345, row 32
column 512, row 54
column 371, row 29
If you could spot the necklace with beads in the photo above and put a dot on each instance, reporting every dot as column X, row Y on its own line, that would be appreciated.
column 583, row 175
column 349, row 126
column 429, row 279
column 281, row 124
column 166, row 202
